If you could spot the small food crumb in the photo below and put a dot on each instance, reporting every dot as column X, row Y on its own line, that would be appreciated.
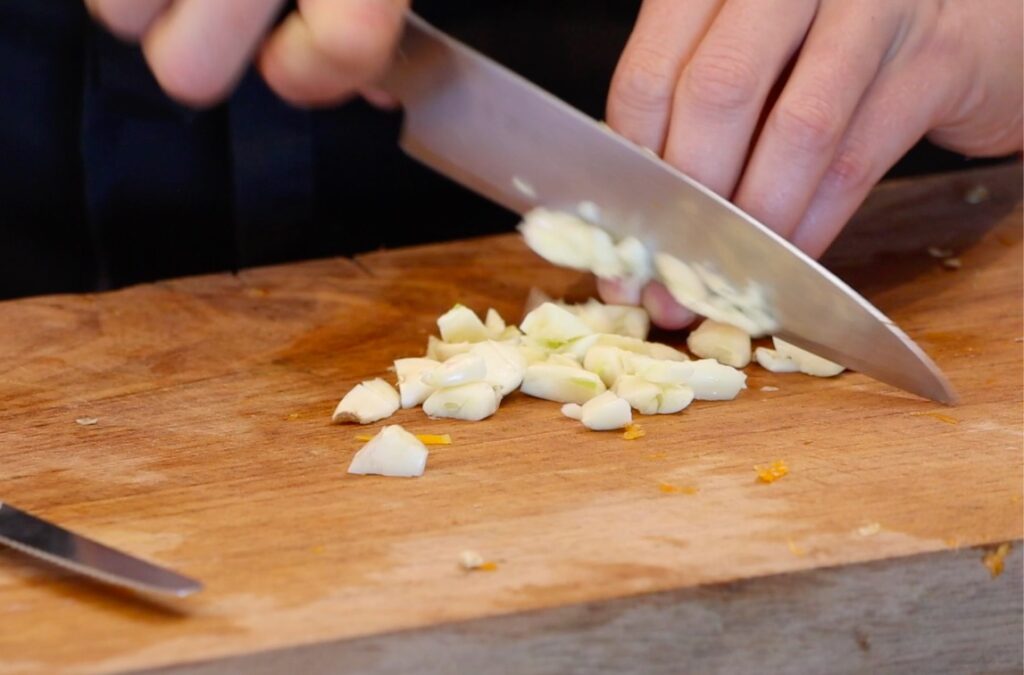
column 936, row 252
column 869, row 530
column 951, row 542
column 87, row 421
column 995, row 560
column 295, row 416
column 633, row 432
column 795, row 549
column 319, row 549
column 670, row 489
column 657, row 456
column 471, row 560
column 942, row 417
column 977, row 195
column 952, row 263
column 425, row 439
column 772, row 472
column 769, row 387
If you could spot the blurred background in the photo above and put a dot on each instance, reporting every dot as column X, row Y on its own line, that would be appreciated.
column 106, row 182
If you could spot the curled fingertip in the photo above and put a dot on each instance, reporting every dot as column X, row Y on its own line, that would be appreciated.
column 664, row 310
column 619, row 291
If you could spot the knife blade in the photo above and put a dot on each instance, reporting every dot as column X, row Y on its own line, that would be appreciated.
column 507, row 139
column 30, row 534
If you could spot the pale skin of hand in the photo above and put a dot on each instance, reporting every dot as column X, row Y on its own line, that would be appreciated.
column 794, row 109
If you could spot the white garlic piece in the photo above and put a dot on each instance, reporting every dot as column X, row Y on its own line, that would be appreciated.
column 392, row 452
column 505, row 365
column 573, row 411
column 722, row 342
column 565, row 384
column 367, row 402
column 649, row 398
column 554, row 326
column 606, row 362
column 606, row 412
column 471, row 402
column 709, row 379
column 636, row 260
column 494, row 324
column 412, row 390
column 810, row 364
column 461, row 324
column 614, row 319
column 567, row 240
column 769, row 359
column 459, row 369
column 439, row 350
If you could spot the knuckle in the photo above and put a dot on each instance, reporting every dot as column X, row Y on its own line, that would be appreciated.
column 644, row 81
column 359, row 51
column 809, row 123
column 850, row 169
column 724, row 81
column 185, row 82
column 123, row 24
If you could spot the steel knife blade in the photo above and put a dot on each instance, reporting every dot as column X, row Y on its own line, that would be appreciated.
column 41, row 539
column 501, row 136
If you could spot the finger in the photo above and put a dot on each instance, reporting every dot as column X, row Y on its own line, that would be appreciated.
column 198, row 49
column 619, row 291
column 664, row 37
column 379, row 98
column 895, row 114
column 127, row 19
column 327, row 50
column 664, row 310
column 841, row 56
column 723, row 88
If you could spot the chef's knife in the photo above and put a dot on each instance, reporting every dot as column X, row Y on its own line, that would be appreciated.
column 496, row 133
column 33, row 535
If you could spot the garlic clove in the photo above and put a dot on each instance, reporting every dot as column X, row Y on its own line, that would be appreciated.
column 641, row 395
column 471, row 402
column 554, row 326
column 613, row 319
column 505, row 365
column 810, row 364
column 769, row 359
column 567, row 360
column 722, row 342
column 606, row 362
column 681, row 280
column 459, row 369
column 567, row 240
column 412, row 390
column 494, row 323
column 636, row 261
column 565, row 384
column 439, row 350
column 605, row 412
column 573, row 411
column 392, row 452
column 709, row 379
column 674, row 398
column 654, row 350
column 461, row 324
column 367, row 402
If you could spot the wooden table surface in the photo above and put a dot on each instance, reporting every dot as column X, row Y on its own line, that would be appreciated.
column 213, row 453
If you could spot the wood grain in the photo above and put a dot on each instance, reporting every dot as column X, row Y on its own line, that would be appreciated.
column 214, row 454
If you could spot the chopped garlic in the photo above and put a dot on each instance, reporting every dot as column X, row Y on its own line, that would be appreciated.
column 606, row 412
column 439, row 350
column 675, row 397
column 636, row 259
column 719, row 341
column 649, row 398
column 769, row 359
column 461, row 324
column 625, row 320
column 562, row 383
column 392, row 452
column 810, row 364
column 553, row 325
column 459, row 369
column 471, row 402
column 367, row 402
column 606, row 362
column 567, row 240
column 412, row 390
column 573, row 411
column 580, row 346
column 505, row 365
column 470, row 560
column 493, row 322
column 709, row 379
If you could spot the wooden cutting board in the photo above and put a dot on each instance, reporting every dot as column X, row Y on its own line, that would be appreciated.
column 213, row 453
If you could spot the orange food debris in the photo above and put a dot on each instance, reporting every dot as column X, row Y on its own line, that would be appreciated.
column 952, row 542
column 293, row 416
column 795, row 549
column 317, row 549
column 488, row 566
column 670, row 489
column 772, row 472
column 942, row 417
column 995, row 560
column 425, row 439
column 633, row 432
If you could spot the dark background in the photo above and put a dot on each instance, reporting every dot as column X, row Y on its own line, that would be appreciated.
column 105, row 182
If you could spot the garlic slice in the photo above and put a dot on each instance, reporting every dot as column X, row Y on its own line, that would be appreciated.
column 769, row 359
column 367, row 402
column 459, row 369
column 412, row 390
column 505, row 365
column 606, row 362
column 461, row 324
column 392, row 452
column 615, row 319
column 722, row 342
column 636, row 260
column 580, row 346
column 573, row 411
column 565, row 384
column 439, row 350
column 554, row 326
column 471, row 402
column 810, row 364
column 649, row 398
column 567, row 240
column 494, row 323
column 606, row 412
column 709, row 379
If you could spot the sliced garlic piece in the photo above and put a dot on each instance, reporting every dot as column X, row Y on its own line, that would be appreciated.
column 719, row 341
column 367, row 402
column 459, row 369
column 642, row 395
column 625, row 320
column 810, row 364
column 681, row 280
column 567, row 240
column 461, row 324
column 674, row 397
column 553, row 325
column 567, row 360
column 505, row 365
column 709, row 379
column 769, row 359
column 392, row 452
column 471, row 402
column 606, row 412
column 573, row 411
column 658, row 371
column 412, row 390
column 439, row 350
column 636, row 261
column 606, row 362
column 494, row 323
column 565, row 384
